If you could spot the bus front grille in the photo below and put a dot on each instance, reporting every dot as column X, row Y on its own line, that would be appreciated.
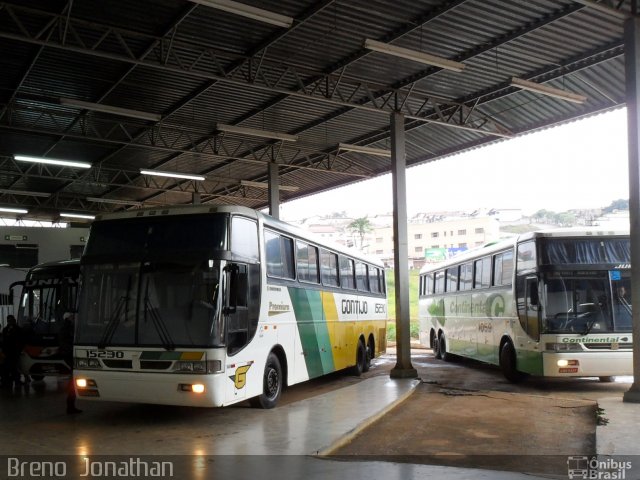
column 155, row 365
column 607, row 346
column 118, row 363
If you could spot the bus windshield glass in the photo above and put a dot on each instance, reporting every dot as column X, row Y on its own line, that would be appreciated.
column 44, row 301
column 586, row 302
column 140, row 239
column 585, row 251
column 160, row 303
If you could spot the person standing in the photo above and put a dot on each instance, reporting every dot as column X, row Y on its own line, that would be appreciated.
column 66, row 350
column 11, row 348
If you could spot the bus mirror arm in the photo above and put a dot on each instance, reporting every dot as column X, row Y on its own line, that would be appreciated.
column 232, row 270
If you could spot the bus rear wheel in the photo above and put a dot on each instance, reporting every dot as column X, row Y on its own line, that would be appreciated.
column 361, row 359
column 442, row 348
column 272, row 382
column 369, row 355
column 435, row 347
column 508, row 364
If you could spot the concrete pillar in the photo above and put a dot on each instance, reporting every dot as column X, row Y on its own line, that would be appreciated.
column 195, row 198
column 632, row 64
column 274, row 190
column 403, row 368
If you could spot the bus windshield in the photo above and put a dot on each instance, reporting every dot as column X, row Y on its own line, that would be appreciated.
column 160, row 303
column 44, row 301
column 589, row 302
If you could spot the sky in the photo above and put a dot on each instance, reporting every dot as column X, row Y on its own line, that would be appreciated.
column 582, row 164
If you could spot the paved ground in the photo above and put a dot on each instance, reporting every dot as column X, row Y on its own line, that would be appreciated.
column 466, row 414
column 463, row 414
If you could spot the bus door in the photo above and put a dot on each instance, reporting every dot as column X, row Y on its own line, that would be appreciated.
column 529, row 312
column 236, row 318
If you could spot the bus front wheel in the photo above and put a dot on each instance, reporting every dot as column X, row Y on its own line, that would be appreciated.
column 272, row 384
column 508, row 364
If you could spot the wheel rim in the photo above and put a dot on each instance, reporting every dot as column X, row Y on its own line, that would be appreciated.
column 272, row 383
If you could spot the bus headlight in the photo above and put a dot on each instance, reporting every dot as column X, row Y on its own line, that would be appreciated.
column 190, row 367
column 210, row 366
column 563, row 347
column 87, row 363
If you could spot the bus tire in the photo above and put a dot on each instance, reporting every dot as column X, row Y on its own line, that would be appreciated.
column 442, row 348
column 435, row 347
column 361, row 359
column 607, row 379
column 508, row 364
column 272, row 383
column 368, row 356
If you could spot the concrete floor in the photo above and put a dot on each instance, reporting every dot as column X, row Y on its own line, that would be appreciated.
column 313, row 418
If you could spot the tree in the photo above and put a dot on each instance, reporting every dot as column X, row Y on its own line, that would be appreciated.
column 360, row 226
column 620, row 204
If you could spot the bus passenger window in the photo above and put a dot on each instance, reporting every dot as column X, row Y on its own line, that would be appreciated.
column 362, row 281
column 279, row 253
column 452, row 279
column 329, row 268
column 307, row 263
column 439, row 282
column 483, row 273
column 374, row 279
column 466, row 276
column 347, row 273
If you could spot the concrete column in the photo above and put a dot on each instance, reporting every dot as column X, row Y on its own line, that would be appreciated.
column 195, row 198
column 274, row 190
column 632, row 64
column 403, row 368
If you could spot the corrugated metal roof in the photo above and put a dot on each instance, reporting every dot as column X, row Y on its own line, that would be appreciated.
column 197, row 67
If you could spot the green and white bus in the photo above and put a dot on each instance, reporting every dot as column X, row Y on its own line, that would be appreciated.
column 209, row 306
column 551, row 303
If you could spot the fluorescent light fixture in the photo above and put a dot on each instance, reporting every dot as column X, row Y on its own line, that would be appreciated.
column 413, row 55
column 252, row 132
column 98, row 107
column 25, row 193
column 52, row 161
column 368, row 150
column 13, row 210
column 77, row 215
column 114, row 201
column 286, row 188
column 248, row 11
column 546, row 90
column 160, row 173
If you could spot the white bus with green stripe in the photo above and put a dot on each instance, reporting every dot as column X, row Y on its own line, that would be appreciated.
column 210, row 306
column 551, row 303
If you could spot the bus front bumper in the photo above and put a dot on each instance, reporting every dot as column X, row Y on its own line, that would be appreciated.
column 587, row 364
column 153, row 388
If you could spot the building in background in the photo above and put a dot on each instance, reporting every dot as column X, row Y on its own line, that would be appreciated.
column 433, row 237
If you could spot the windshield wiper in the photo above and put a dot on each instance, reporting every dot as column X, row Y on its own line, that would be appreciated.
column 589, row 327
column 112, row 326
column 157, row 321
column 114, row 320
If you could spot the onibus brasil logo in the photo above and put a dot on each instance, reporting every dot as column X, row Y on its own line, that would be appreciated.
column 592, row 468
